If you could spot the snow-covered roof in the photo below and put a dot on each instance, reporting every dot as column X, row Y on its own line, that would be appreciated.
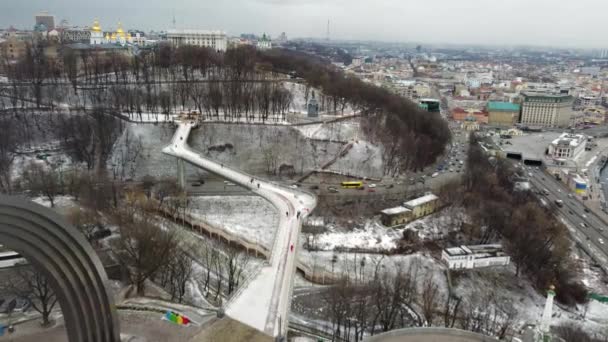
column 569, row 139
column 479, row 251
column 420, row 200
column 395, row 210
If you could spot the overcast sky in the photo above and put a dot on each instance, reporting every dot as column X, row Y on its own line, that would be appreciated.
column 569, row 23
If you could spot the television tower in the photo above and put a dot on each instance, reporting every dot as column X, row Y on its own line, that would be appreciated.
column 327, row 36
column 173, row 18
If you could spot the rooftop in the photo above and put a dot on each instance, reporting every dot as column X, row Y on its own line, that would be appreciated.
column 395, row 210
column 420, row 200
column 480, row 251
column 503, row 106
column 569, row 139
column 195, row 31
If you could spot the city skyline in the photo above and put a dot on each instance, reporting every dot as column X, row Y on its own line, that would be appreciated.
column 518, row 22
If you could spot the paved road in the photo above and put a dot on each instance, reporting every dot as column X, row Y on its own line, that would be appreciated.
column 263, row 302
column 573, row 211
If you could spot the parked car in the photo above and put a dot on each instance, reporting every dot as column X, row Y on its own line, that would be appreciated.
column 332, row 189
column 371, row 186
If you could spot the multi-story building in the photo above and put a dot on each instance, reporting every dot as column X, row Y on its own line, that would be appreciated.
column 470, row 257
column 502, row 113
column 567, row 146
column 204, row 38
column 546, row 110
column 13, row 47
column 46, row 19
column 75, row 35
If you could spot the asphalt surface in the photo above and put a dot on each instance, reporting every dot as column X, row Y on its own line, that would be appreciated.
column 573, row 210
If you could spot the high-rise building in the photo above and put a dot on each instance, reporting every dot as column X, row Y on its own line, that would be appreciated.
column 46, row 19
column 211, row 39
column 546, row 110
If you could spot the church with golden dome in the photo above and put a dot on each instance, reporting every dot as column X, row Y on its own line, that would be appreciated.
column 118, row 37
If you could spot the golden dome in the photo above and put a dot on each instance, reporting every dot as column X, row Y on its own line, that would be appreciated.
column 96, row 27
column 119, row 30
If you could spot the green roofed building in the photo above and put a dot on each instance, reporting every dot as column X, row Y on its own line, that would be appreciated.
column 502, row 113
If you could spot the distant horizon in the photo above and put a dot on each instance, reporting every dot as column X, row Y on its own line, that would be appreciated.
column 534, row 23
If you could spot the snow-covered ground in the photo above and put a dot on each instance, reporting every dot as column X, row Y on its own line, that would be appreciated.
column 438, row 225
column 364, row 159
column 248, row 146
column 350, row 264
column 250, row 217
column 346, row 130
column 373, row 236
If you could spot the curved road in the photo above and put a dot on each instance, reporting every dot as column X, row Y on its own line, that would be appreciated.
column 263, row 302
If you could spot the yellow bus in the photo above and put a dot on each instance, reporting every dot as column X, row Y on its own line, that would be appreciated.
column 352, row 185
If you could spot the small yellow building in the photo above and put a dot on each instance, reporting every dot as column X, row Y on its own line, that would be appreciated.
column 502, row 113
column 410, row 210
column 422, row 206
column 395, row 216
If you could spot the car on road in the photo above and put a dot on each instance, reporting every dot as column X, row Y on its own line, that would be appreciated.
column 600, row 240
column 583, row 224
column 229, row 183
column 294, row 186
column 586, row 210
column 371, row 186
column 197, row 184
column 332, row 189
column 314, row 187
column 371, row 190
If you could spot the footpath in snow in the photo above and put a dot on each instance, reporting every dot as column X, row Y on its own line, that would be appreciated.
column 262, row 302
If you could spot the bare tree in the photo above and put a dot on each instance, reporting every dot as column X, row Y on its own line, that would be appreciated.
column 142, row 247
column 42, row 181
column 236, row 263
column 429, row 299
column 28, row 283
column 8, row 145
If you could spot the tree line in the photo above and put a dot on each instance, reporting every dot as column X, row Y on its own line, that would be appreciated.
column 239, row 84
column 408, row 297
column 537, row 242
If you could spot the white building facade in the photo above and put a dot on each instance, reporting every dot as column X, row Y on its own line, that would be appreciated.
column 567, row 146
column 478, row 256
column 212, row 39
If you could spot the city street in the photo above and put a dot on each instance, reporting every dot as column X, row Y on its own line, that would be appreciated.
column 573, row 210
